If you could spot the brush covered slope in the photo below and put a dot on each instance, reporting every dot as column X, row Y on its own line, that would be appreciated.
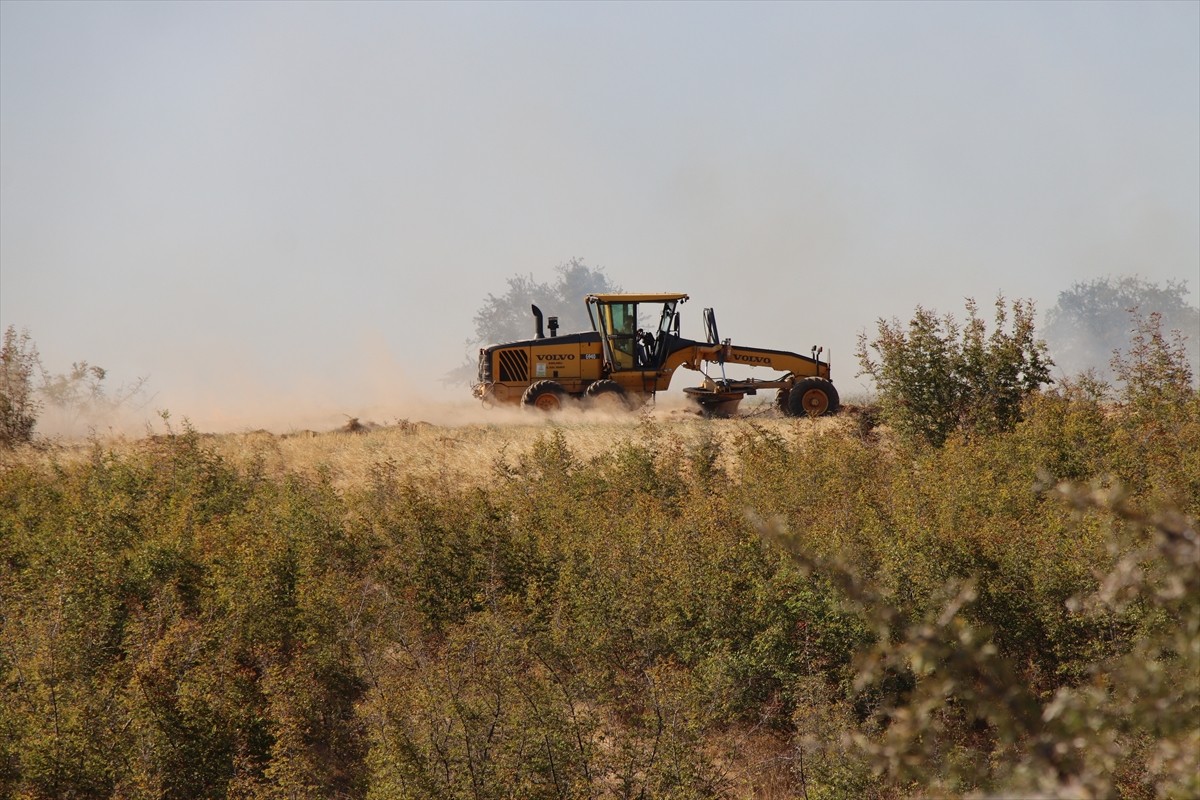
column 662, row 608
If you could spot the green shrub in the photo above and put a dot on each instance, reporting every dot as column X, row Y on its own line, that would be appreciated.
column 178, row 623
column 935, row 378
column 969, row 721
column 19, row 405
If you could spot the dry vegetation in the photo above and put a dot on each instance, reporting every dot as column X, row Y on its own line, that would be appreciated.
column 471, row 454
column 645, row 606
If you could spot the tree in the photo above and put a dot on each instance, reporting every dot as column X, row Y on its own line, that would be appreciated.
column 19, row 405
column 507, row 317
column 80, row 394
column 1092, row 320
column 1154, row 371
column 935, row 377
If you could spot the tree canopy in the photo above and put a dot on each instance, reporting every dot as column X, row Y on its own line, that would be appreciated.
column 1092, row 321
column 78, row 396
column 506, row 317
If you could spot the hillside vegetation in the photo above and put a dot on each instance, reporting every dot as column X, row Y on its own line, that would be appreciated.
column 653, row 607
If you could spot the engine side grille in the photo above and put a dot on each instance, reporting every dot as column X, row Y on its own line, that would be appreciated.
column 485, row 366
column 514, row 365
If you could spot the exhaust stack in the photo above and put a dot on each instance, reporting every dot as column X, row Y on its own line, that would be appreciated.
column 537, row 323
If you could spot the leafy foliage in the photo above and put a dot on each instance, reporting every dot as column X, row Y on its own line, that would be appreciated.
column 936, row 378
column 1154, row 370
column 1157, row 395
column 954, row 620
column 19, row 406
column 969, row 720
column 506, row 318
column 81, row 394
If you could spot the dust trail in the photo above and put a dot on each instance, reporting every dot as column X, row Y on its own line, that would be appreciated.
column 285, row 417
column 370, row 385
column 289, row 414
column 77, row 424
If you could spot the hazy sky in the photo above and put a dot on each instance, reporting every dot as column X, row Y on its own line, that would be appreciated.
column 301, row 205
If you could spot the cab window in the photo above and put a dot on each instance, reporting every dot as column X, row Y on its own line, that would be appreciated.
column 622, row 325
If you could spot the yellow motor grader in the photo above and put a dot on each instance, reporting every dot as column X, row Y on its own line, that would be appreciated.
column 632, row 352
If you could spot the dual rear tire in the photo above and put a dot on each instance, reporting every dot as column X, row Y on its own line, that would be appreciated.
column 545, row 396
column 810, row 397
column 605, row 395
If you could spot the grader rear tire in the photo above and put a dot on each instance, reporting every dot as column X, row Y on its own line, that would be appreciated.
column 545, row 396
column 607, row 395
column 813, row 397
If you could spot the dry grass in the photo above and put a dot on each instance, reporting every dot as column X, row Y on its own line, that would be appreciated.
column 468, row 455
column 464, row 455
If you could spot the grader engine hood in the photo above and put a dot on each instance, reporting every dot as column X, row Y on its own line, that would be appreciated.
column 568, row 359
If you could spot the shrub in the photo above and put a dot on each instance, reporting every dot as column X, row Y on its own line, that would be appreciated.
column 1154, row 372
column 935, row 378
column 1156, row 448
column 181, row 623
column 19, row 406
column 966, row 719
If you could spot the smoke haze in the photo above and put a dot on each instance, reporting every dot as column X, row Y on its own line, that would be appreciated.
column 287, row 214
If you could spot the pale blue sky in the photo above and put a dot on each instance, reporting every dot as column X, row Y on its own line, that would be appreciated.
column 301, row 205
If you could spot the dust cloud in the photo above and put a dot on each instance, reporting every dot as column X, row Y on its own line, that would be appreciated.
column 283, row 415
column 371, row 388
column 290, row 413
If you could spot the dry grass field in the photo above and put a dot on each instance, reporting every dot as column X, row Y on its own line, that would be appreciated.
column 465, row 447
column 469, row 454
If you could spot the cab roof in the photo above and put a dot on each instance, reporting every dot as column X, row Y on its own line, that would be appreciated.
column 635, row 298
